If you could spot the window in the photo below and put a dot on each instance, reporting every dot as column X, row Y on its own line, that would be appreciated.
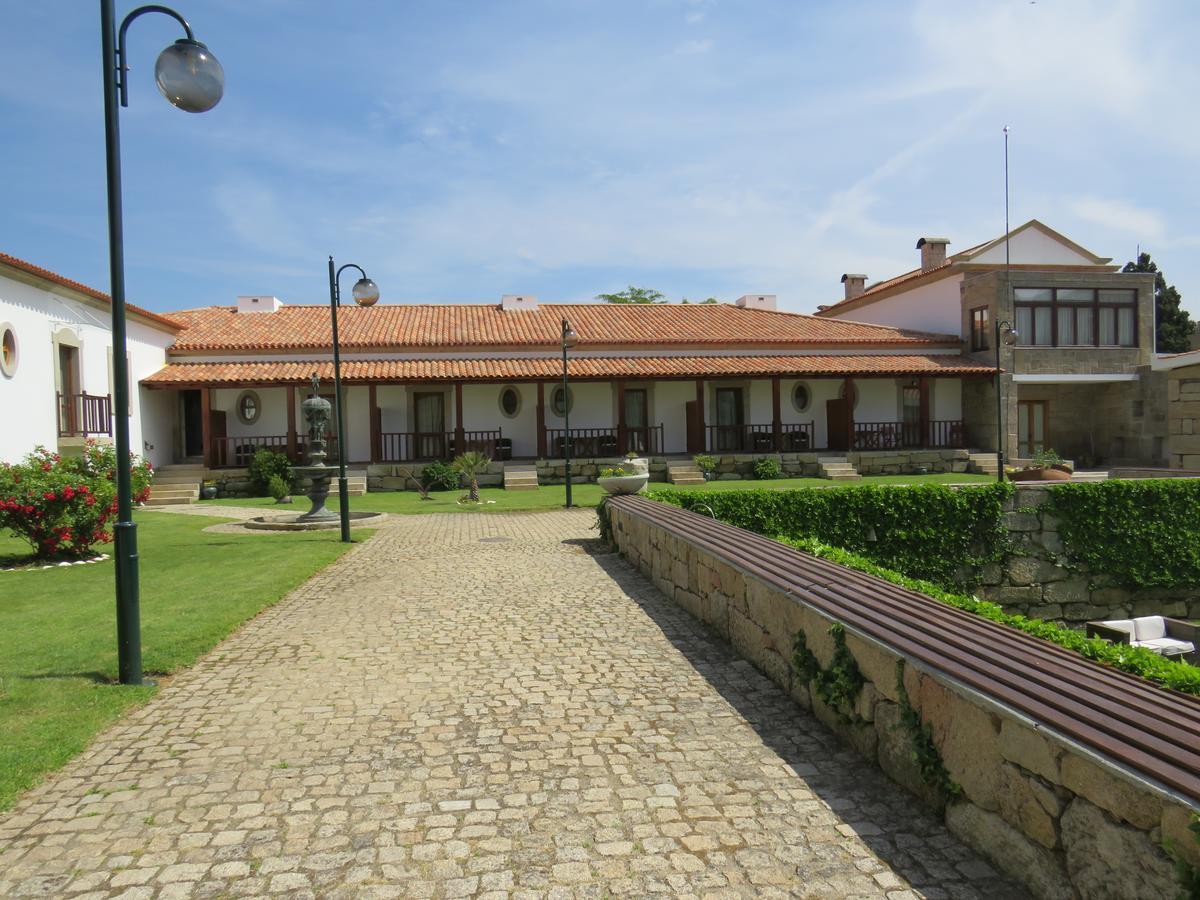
column 980, row 328
column 1076, row 317
column 562, row 401
column 248, row 407
column 801, row 397
column 510, row 402
column 8, row 350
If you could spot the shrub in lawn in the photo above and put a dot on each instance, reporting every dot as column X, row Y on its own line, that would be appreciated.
column 267, row 464
column 469, row 465
column 63, row 506
column 767, row 468
column 441, row 476
column 279, row 489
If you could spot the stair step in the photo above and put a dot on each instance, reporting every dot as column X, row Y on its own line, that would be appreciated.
column 521, row 477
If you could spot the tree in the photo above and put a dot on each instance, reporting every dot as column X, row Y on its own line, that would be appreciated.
column 701, row 302
column 470, row 464
column 1172, row 323
column 633, row 295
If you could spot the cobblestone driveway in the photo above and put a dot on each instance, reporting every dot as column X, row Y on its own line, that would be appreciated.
column 476, row 705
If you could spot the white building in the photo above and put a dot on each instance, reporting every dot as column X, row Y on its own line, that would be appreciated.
column 56, row 366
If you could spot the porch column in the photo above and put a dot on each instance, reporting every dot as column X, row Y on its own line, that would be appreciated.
column 622, row 446
column 849, row 386
column 206, row 425
column 459, row 436
column 291, row 422
column 373, row 404
column 926, row 437
column 776, row 415
column 702, row 430
column 541, row 420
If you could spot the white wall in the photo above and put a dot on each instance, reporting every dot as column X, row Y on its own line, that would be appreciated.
column 28, row 397
column 393, row 407
column 878, row 400
column 1034, row 247
column 820, row 390
column 481, row 412
column 945, row 402
column 932, row 307
column 593, row 407
column 668, row 407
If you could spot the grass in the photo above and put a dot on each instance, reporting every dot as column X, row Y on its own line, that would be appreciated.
column 58, row 659
column 554, row 496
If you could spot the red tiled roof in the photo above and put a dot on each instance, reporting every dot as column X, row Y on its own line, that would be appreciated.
column 222, row 328
column 493, row 370
column 55, row 278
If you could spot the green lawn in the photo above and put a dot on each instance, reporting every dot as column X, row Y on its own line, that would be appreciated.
column 554, row 496
column 58, row 660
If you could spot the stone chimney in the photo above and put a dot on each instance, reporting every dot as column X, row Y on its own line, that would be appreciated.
column 518, row 302
column 933, row 252
column 855, row 285
column 756, row 301
column 258, row 304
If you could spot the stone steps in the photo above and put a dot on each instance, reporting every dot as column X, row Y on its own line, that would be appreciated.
column 837, row 468
column 685, row 473
column 173, row 494
column 1090, row 476
column 520, row 478
column 983, row 463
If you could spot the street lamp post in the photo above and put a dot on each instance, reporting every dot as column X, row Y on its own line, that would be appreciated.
column 569, row 339
column 365, row 293
column 190, row 77
column 1006, row 333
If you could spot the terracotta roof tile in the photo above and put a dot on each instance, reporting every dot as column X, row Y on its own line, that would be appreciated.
column 222, row 328
column 493, row 370
column 55, row 278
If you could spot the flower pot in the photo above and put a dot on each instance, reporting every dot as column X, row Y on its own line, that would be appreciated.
column 1040, row 474
column 636, row 464
column 623, row 484
column 208, row 492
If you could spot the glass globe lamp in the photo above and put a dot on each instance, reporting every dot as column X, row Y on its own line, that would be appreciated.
column 189, row 76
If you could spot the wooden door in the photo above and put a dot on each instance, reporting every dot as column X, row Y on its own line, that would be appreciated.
column 837, row 424
column 1031, row 428
column 191, row 418
column 218, row 430
column 730, row 419
column 636, row 420
column 695, row 427
column 429, row 413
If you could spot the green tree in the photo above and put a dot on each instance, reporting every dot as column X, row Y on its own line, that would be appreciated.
column 1173, row 325
column 633, row 295
column 470, row 464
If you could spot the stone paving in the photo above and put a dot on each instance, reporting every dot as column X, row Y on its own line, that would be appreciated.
column 476, row 705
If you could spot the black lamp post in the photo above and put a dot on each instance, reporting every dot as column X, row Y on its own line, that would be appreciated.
column 190, row 77
column 365, row 293
column 1005, row 333
column 569, row 339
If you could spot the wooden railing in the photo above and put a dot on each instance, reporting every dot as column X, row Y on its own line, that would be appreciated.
column 409, row 446
column 236, row 452
column 759, row 438
column 82, row 415
column 605, row 442
column 942, row 434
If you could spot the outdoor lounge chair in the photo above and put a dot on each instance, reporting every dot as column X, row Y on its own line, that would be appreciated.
column 1168, row 637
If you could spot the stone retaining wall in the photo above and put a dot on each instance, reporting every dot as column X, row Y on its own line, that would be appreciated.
column 1062, row 821
column 908, row 462
column 404, row 476
column 1040, row 579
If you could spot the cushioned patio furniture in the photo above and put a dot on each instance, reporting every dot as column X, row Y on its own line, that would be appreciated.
column 1168, row 637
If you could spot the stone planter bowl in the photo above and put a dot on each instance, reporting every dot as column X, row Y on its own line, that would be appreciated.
column 1038, row 474
column 623, row 484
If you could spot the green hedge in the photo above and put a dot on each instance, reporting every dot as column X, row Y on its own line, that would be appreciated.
column 1135, row 660
column 1141, row 533
column 928, row 531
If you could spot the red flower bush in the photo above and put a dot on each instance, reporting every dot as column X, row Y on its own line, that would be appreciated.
column 62, row 506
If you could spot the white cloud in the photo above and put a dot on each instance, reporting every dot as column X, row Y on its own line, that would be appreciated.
column 1121, row 217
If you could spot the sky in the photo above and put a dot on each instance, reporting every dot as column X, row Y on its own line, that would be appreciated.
column 463, row 150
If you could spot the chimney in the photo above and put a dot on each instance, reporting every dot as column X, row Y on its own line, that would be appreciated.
column 258, row 304
column 518, row 302
column 756, row 301
column 855, row 285
column 933, row 252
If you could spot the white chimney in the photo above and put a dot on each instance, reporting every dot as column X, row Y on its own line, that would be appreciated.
column 933, row 252
column 756, row 301
column 518, row 302
column 256, row 304
column 855, row 285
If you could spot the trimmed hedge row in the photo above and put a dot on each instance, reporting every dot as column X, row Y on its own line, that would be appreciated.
column 928, row 531
column 1135, row 660
column 1140, row 533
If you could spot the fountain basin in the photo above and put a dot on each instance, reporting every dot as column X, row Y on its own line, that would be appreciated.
column 296, row 522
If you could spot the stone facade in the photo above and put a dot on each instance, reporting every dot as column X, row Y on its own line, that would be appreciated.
column 1183, row 418
column 908, row 462
column 1064, row 825
column 1040, row 581
column 404, row 476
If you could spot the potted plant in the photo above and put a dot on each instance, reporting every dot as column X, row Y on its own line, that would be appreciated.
column 620, row 480
column 1046, row 465
column 706, row 464
column 636, row 464
column 208, row 490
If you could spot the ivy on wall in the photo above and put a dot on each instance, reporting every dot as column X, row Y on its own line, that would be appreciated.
column 927, row 531
column 924, row 750
column 840, row 684
column 1140, row 533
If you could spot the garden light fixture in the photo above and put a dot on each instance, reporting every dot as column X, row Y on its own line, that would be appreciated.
column 190, row 77
column 1008, row 335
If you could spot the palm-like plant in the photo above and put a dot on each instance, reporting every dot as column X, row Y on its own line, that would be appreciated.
column 470, row 464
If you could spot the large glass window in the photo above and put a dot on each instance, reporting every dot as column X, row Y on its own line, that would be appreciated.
column 1076, row 317
column 980, row 328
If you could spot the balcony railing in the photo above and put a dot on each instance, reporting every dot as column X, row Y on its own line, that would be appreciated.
column 237, row 452
column 412, row 446
column 605, row 442
column 83, row 415
column 796, row 437
column 942, row 434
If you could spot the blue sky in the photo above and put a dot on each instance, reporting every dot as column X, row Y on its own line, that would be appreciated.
column 461, row 150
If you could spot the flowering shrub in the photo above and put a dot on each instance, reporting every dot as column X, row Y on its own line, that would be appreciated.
column 62, row 506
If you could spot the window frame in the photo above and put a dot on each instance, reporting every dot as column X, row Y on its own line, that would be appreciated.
column 9, row 361
column 1026, row 337
column 981, row 337
column 808, row 394
column 500, row 401
column 239, row 407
